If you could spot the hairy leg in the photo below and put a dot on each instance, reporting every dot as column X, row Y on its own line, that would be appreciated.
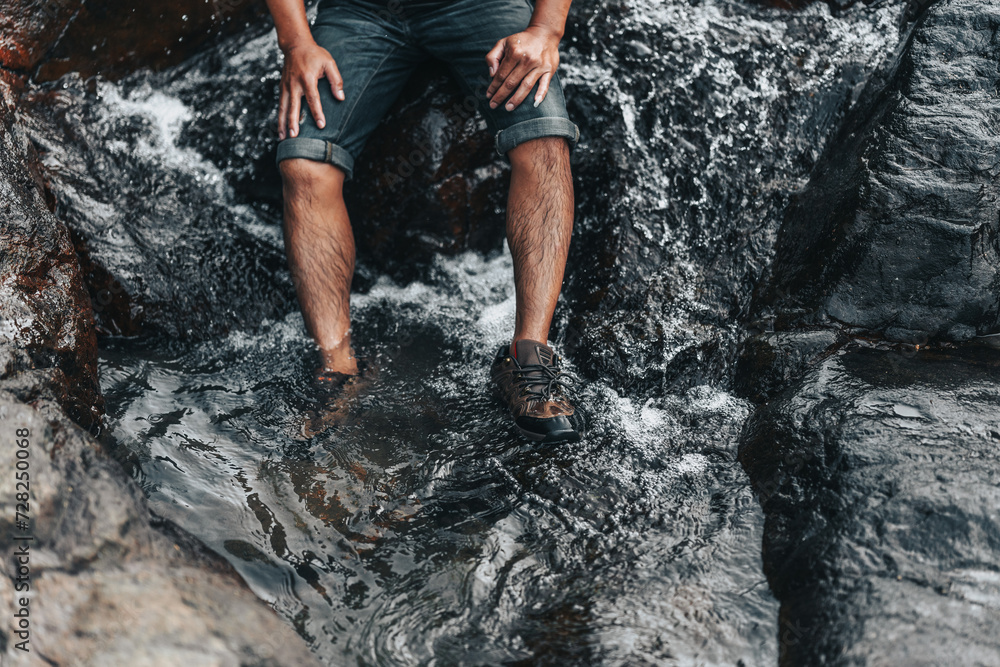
column 320, row 247
column 539, row 226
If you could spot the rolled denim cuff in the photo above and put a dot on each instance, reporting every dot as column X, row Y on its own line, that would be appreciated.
column 319, row 150
column 552, row 126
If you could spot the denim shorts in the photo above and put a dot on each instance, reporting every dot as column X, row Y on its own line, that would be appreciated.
column 376, row 50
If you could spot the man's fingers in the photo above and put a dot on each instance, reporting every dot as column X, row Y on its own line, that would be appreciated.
column 543, row 88
column 494, row 56
column 527, row 83
column 336, row 81
column 509, row 85
column 508, row 63
column 315, row 106
column 294, row 110
column 283, row 113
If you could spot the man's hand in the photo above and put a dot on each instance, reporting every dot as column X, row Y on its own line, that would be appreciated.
column 518, row 62
column 305, row 65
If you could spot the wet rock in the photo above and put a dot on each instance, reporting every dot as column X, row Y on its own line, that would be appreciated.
column 685, row 166
column 112, row 38
column 28, row 28
column 45, row 316
column 877, row 473
column 877, row 468
column 162, row 249
column 115, row 38
column 105, row 586
column 801, row 4
column 769, row 362
column 898, row 233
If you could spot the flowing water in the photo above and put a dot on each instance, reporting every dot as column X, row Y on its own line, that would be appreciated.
column 421, row 528
column 409, row 525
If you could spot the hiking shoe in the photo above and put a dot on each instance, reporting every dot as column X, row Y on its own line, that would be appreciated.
column 527, row 379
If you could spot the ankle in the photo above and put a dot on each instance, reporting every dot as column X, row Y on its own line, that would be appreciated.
column 347, row 367
column 339, row 361
column 532, row 337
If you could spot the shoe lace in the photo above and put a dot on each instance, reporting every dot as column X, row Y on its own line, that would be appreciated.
column 551, row 380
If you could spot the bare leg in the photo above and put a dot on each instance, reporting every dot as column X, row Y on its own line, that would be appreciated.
column 320, row 247
column 539, row 226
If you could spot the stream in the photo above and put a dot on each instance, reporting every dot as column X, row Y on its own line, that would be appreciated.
column 421, row 529
column 415, row 527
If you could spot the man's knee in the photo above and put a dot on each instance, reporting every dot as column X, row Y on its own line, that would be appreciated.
column 547, row 151
column 307, row 177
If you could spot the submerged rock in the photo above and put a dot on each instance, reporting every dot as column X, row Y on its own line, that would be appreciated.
column 898, row 232
column 878, row 477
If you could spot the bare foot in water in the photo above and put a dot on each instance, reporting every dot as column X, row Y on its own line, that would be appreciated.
column 339, row 359
column 335, row 393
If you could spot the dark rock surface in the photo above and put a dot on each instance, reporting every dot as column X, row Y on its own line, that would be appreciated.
column 146, row 272
column 28, row 28
column 799, row 4
column 45, row 316
column 876, row 462
column 114, row 38
column 53, row 37
column 682, row 178
column 898, row 232
column 878, row 474
column 768, row 363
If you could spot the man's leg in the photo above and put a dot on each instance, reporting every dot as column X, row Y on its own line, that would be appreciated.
column 375, row 57
column 535, row 138
column 539, row 226
column 526, row 375
column 320, row 247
